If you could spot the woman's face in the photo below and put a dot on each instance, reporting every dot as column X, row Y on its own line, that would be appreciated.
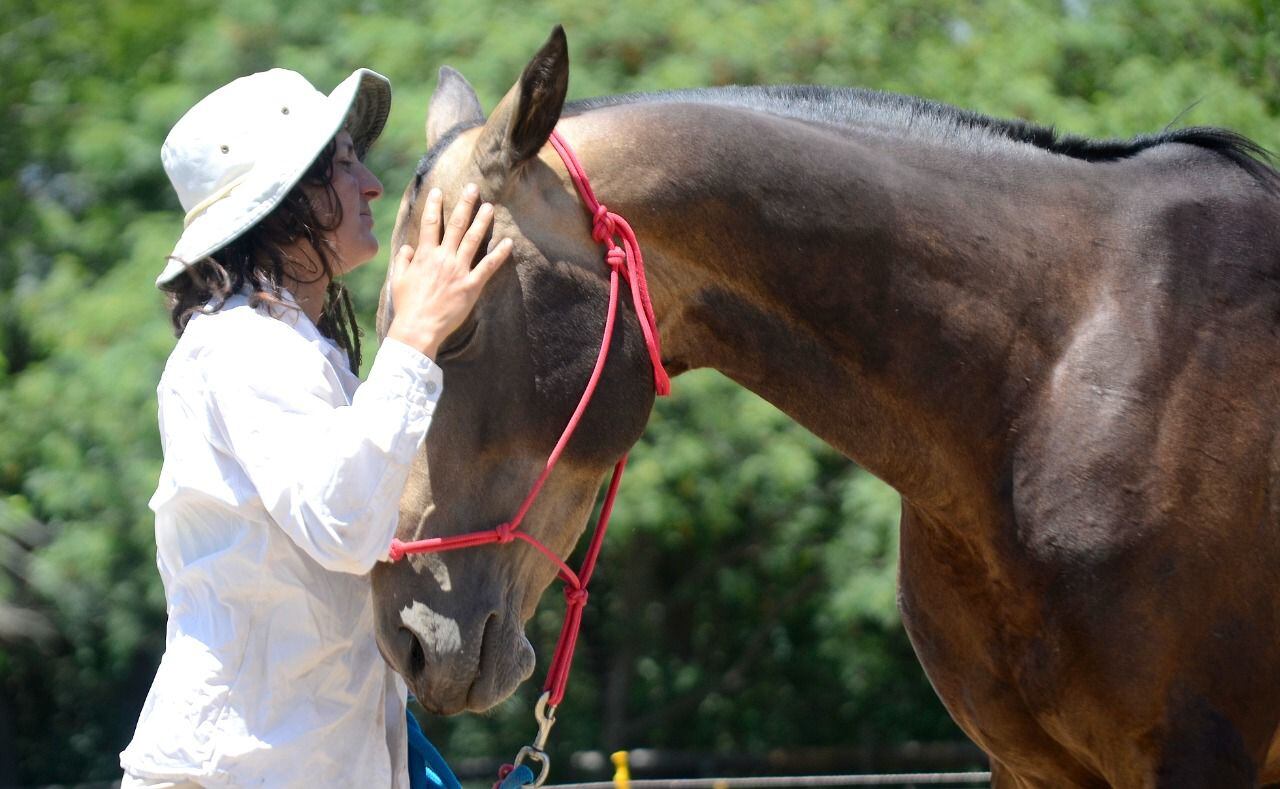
column 356, row 187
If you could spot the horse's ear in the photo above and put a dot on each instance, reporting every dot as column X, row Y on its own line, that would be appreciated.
column 453, row 102
column 526, row 116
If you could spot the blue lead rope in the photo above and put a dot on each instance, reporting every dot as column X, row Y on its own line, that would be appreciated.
column 427, row 768
column 519, row 778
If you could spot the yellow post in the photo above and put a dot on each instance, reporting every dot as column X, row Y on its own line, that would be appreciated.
column 622, row 771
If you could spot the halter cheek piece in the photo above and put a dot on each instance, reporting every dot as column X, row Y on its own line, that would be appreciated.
column 624, row 261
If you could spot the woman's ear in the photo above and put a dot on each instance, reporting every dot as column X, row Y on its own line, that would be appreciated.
column 526, row 116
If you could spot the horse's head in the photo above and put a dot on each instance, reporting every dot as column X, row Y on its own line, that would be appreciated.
column 453, row 623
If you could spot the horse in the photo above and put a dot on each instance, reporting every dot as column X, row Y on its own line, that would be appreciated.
column 1063, row 353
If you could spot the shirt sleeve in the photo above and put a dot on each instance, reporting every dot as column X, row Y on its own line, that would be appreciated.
column 330, row 476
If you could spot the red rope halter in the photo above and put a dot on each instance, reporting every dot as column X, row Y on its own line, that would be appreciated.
column 624, row 261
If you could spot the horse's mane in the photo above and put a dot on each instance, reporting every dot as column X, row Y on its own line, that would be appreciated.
column 862, row 108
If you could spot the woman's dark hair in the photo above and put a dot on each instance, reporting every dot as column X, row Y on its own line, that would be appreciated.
column 258, row 259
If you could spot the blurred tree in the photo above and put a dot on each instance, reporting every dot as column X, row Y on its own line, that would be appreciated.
column 749, row 581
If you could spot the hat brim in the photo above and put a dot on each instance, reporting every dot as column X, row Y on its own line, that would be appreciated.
column 360, row 104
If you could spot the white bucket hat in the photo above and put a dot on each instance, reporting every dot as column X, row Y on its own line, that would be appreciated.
column 234, row 156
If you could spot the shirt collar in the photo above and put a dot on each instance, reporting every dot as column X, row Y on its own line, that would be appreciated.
column 293, row 315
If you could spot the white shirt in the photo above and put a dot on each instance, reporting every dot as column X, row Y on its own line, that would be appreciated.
column 280, row 490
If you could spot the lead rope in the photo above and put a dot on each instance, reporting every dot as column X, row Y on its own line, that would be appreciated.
column 626, row 261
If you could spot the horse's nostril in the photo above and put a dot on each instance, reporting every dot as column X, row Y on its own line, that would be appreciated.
column 417, row 657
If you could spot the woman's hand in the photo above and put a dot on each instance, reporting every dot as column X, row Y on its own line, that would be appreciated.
column 433, row 287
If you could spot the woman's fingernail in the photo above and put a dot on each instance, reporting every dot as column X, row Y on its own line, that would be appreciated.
column 435, row 193
column 471, row 190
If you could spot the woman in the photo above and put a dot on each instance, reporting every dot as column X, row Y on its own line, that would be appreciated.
column 281, row 478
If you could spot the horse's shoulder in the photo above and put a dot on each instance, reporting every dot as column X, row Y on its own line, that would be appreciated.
column 1143, row 428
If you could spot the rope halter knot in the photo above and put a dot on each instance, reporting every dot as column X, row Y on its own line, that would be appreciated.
column 617, row 260
column 603, row 228
column 575, row 596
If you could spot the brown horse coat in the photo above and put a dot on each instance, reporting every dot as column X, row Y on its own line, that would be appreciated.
column 1063, row 353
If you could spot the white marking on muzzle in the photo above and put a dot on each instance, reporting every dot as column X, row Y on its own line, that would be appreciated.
column 432, row 563
column 439, row 634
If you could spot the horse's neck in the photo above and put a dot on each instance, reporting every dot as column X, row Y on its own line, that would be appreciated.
column 892, row 301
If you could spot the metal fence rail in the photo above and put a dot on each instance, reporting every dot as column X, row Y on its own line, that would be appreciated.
column 785, row 782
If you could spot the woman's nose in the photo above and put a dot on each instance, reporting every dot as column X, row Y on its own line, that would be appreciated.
column 371, row 187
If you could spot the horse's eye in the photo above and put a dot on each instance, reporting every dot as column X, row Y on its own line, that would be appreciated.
column 455, row 344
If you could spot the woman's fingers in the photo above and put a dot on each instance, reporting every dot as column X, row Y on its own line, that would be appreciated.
column 491, row 263
column 460, row 218
column 461, row 241
column 429, row 229
column 433, row 286
column 475, row 234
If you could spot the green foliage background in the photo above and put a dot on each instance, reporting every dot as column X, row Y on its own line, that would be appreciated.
column 747, row 595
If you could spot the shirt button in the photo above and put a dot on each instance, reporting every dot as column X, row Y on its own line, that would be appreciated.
column 431, row 387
